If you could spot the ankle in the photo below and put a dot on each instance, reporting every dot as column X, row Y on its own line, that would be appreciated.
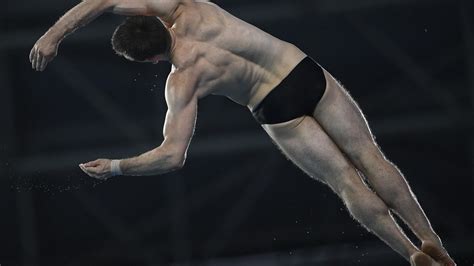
column 412, row 252
column 421, row 259
column 432, row 241
column 431, row 238
column 431, row 247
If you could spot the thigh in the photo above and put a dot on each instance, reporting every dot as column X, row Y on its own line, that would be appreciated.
column 341, row 118
column 306, row 144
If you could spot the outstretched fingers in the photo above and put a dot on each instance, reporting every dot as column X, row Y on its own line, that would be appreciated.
column 32, row 53
column 33, row 56
column 38, row 61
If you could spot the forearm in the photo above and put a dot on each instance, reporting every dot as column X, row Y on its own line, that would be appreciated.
column 158, row 161
column 79, row 16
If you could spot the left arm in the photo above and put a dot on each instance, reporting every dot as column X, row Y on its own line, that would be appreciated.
column 46, row 48
column 171, row 154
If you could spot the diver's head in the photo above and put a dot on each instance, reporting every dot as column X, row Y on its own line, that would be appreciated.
column 142, row 39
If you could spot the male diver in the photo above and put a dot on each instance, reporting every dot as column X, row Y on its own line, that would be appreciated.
column 306, row 112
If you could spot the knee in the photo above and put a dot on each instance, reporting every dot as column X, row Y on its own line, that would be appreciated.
column 364, row 205
column 343, row 178
column 369, row 158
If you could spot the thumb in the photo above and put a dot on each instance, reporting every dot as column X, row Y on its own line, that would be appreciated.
column 91, row 164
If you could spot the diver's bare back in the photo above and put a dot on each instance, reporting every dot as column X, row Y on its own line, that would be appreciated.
column 227, row 56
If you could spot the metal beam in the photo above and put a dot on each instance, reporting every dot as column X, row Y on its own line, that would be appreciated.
column 241, row 209
column 27, row 224
column 224, row 144
column 55, row 8
column 243, row 141
column 7, row 133
column 116, row 228
column 196, row 200
column 365, row 253
column 466, row 8
column 181, row 245
column 254, row 13
column 378, row 99
column 342, row 6
column 101, row 102
column 405, row 63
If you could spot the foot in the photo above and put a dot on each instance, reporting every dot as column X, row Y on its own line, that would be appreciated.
column 421, row 259
column 438, row 253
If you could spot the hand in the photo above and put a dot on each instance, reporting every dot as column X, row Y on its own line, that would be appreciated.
column 99, row 169
column 43, row 52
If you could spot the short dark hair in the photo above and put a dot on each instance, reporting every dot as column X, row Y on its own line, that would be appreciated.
column 140, row 38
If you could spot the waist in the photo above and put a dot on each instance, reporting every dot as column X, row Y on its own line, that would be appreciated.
column 266, row 88
column 297, row 95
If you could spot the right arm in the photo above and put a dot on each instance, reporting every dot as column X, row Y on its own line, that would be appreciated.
column 178, row 130
column 46, row 47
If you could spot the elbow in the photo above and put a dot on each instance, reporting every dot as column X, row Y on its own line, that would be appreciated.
column 174, row 156
column 177, row 161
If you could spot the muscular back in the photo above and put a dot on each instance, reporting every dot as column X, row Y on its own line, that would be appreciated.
column 224, row 55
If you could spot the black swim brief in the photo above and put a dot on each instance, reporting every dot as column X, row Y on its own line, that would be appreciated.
column 297, row 95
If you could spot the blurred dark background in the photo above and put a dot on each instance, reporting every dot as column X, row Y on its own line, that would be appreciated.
column 408, row 63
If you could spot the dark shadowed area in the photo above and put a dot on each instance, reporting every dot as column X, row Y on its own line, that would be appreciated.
column 408, row 63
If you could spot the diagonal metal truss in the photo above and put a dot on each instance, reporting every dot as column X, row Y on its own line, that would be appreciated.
column 133, row 235
column 242, row 208
column 102, row 103
column 465, row 9
column 28, row 230
column 405, row 63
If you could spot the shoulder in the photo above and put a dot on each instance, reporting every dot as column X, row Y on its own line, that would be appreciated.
column 180, row 87
column 180, row 78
